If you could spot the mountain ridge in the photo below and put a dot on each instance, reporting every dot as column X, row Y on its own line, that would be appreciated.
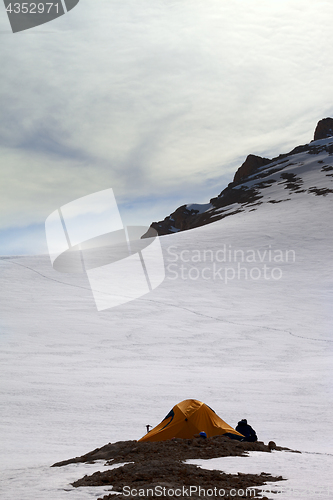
column 244, row 192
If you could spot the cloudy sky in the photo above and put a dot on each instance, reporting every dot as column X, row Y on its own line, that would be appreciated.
column 161, row 100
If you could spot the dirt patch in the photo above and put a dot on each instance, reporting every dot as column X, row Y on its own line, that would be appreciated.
column 320, row 191
column 326, row 168
column 278, row 201
column 291, row 182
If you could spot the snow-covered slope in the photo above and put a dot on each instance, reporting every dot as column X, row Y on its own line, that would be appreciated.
column 242, row 322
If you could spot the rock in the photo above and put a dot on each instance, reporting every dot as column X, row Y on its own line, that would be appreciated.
column 179, row 220
column 153, row 480
column 250, row 165
column 324, row 129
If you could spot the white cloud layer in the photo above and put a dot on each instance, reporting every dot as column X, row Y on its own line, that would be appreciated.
column 159, row 100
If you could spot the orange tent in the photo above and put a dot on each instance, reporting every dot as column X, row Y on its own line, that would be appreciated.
column 186, row 419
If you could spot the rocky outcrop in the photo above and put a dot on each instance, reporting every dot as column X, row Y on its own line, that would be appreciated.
column 163, row 463
column 250, row 165
column 154, row 479
column 180, row 220
column 175, row 449
column 324, row 129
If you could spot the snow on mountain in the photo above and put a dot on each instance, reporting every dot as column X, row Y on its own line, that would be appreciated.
column 242, row 322
column 199, row 208
column 260, row 180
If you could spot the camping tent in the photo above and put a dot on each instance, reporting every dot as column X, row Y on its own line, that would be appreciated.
column 186, row 419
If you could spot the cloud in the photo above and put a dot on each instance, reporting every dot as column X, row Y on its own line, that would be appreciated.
column 157, row 100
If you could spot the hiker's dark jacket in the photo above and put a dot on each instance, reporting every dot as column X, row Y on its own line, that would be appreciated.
column 244, row 428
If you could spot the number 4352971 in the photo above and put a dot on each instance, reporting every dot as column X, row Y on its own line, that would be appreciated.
column 32, row 8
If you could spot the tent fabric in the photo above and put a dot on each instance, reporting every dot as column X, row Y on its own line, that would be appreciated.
column 186, row 419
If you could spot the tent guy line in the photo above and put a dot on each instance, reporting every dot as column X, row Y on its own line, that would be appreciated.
column 233, row 322
column 174, row 305
column 43, row 275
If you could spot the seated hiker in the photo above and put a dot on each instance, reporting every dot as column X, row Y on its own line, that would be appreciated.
column 244, row 428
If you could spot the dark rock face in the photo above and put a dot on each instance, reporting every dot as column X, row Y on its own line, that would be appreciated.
column 324, row 129
column 179, row 220
column 250, row 165
column 229, row 196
